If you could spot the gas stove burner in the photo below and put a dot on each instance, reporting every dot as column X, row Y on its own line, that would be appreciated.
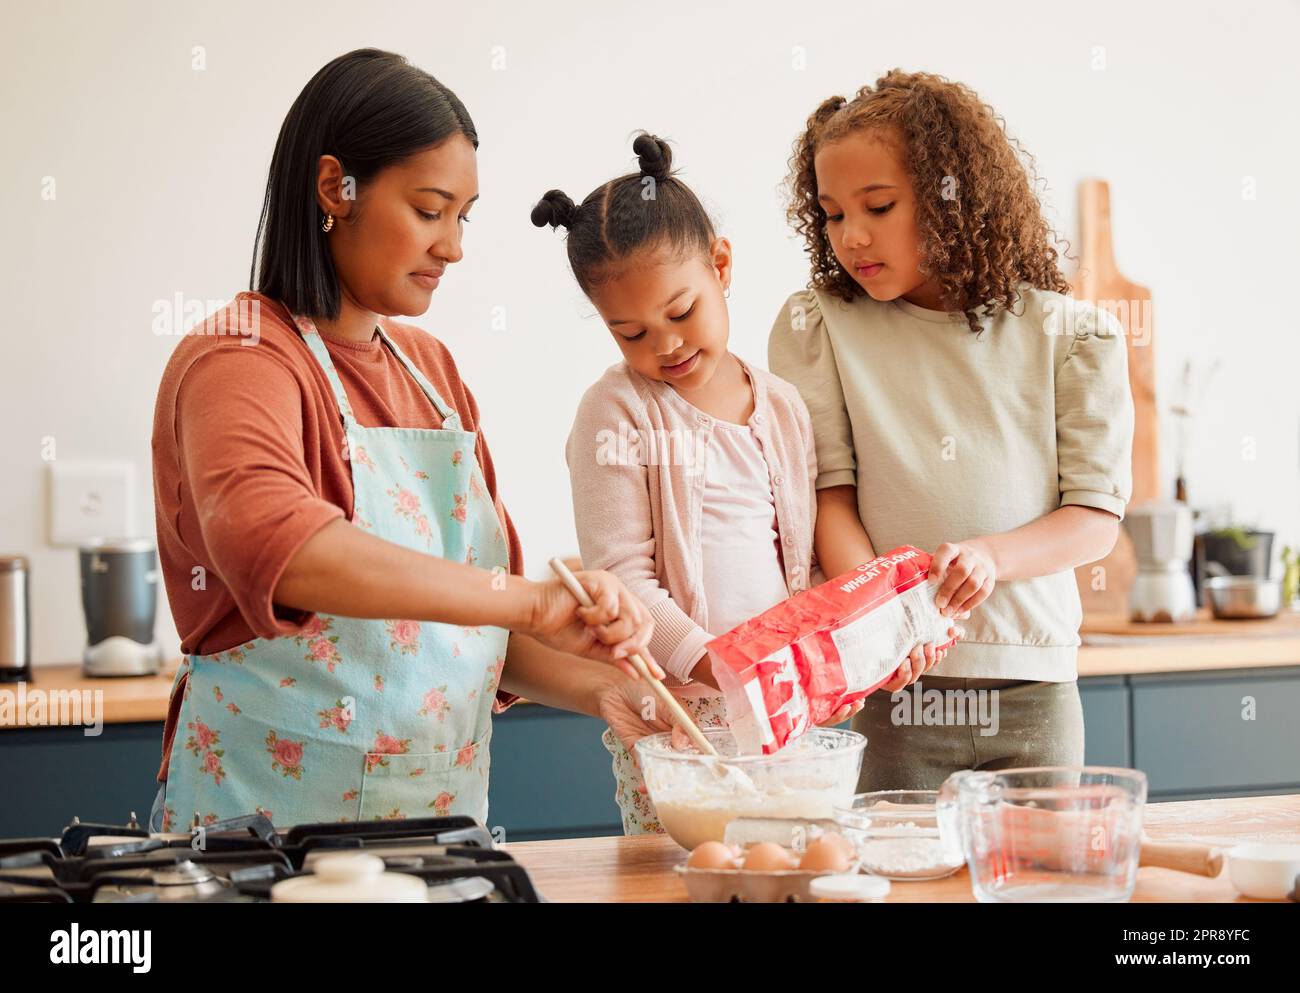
column 182, row 874
column 471, row 890
column 448, row 830
column 240, row 859
column 180, row 882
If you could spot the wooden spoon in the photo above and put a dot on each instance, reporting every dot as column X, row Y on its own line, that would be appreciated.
column 683, row 719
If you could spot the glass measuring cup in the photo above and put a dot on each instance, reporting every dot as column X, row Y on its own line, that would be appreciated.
column 1048, row 834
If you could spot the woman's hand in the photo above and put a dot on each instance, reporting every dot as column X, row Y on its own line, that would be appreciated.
column 922, row 659
column 966, row 574
column 616, row 626
column 631, row 710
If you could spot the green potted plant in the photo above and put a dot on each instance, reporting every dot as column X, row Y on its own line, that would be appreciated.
column 1242, row 551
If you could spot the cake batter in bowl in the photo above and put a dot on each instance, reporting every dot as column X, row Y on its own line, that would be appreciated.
column 805, row 780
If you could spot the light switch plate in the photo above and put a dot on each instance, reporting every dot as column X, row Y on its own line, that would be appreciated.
column 90, row 500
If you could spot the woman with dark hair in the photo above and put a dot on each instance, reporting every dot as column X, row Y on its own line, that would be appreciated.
column 344, row 577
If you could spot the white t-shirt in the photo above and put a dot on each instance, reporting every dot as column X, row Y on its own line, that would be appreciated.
column 739, row 540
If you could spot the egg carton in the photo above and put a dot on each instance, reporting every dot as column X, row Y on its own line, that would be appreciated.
column 751, row 886
column 788, row 832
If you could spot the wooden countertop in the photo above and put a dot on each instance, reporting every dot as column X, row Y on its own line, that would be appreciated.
column 1113, row 646
column 126, row 698
column 640, row 869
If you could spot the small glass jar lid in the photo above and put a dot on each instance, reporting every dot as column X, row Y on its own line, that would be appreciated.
column 849, row 887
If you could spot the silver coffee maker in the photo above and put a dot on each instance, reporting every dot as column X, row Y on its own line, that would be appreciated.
column 119, row 593
column 1162, row 539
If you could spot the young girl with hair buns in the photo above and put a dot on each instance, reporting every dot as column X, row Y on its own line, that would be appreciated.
column 961, row 403
column 692, row 471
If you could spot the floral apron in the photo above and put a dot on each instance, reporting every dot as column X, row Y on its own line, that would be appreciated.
column 357, row 719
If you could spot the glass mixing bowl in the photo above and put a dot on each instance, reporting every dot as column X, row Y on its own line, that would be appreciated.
column 898, row 834
column 698, row 795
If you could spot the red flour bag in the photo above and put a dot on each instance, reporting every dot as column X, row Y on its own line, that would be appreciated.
column 796, row 664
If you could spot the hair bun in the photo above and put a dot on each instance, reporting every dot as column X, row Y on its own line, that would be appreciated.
column 654, row 156
column 556, row 209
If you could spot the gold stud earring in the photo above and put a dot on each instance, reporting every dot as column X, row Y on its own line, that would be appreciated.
column 328, row 223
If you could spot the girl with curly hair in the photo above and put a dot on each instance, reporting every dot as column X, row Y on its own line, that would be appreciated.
column 961, row 402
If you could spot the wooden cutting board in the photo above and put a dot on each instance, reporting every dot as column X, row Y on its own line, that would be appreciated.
column 1099, row 279
column 1284, row 625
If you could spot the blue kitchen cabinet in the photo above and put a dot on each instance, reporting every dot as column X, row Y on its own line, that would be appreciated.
column 551, row 776
column 1207, row 734
column 1106, row 737
column 1198, row 735
column 48, row 775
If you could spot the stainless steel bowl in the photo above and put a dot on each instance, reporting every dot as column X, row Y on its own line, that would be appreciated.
column 1233, row 597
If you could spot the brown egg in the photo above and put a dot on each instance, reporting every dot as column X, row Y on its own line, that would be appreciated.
column 841, row 842
column 712, row 855
column 768, row 857
column 824, row 855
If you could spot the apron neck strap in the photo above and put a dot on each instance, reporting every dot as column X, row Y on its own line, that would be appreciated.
column 316, row 345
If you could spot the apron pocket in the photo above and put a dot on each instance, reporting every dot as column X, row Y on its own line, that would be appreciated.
column 433, row 784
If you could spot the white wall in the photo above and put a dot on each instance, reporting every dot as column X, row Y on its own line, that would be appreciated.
column 160, row 168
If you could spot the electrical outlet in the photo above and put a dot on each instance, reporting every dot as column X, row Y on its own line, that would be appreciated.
column 90, row 500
